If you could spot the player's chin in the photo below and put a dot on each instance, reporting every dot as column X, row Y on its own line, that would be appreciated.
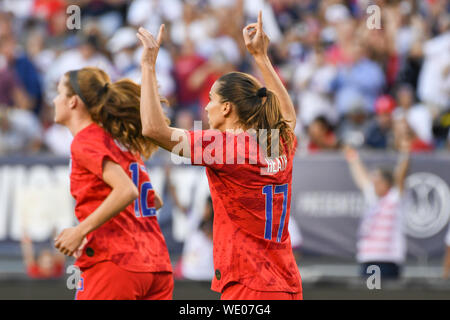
column 57, row 120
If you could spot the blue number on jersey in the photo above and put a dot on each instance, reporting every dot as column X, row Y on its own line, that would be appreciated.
column 268, row 192
column 141, row 204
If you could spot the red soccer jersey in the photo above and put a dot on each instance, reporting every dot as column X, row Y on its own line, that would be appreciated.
column 132, row 239
column 252, row 245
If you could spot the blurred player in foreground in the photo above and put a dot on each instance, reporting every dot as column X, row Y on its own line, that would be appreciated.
column 253, row 256
column 123, row 255
column 381, row 240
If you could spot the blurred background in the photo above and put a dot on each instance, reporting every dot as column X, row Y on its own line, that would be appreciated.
column 374, row 89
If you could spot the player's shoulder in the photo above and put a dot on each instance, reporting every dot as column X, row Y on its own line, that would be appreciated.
column 92, row 131
column 92, row 136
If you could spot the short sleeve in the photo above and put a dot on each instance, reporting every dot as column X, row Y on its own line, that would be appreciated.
column 89, row 152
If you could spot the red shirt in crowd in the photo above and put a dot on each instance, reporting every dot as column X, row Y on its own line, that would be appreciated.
column 184, row 67
column 35, row 272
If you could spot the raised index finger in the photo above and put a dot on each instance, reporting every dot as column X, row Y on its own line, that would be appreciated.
column 260, row 24
column 160, row 34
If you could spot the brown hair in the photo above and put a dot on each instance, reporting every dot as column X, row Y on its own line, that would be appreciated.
column 114, row 106
column 256, row 107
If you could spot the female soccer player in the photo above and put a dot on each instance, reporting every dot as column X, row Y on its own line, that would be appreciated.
column 251, row 193
column 125, row 255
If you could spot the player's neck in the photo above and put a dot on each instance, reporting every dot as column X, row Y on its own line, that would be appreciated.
column 231, row 124
column 78, row 124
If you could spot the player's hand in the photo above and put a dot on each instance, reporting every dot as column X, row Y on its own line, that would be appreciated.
column 69, row 240
column 256, row 40
column 151, row 45
column 79, row 251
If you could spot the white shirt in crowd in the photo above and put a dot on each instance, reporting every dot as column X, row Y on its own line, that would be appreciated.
column 197, row 262
column 58, row 139
column 420, row 120
column 381, row 236
column 313, row 84
column 433, row 83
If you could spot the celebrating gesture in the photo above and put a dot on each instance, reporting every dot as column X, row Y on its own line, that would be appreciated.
column 236, row 101
column 256, row 40
column 151, row 46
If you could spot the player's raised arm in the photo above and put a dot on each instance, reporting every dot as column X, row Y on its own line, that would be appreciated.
column 153, row 121
column 257, row 43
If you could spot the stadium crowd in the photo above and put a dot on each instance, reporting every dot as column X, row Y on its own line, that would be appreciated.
column 352, row 85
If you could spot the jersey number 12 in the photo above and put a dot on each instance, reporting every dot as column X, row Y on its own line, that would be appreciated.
column 143, row 193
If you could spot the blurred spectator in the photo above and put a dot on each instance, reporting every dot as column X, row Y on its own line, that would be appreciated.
column 434, row 78
column 381, row 241
column 322, row 136
column 24, row 70
column 331, row 63
column 185, row 65
column 312, row 80
column 197, row 258
column 417, row 116
column 20, row 132
column 57, row 139
column 88, row 53
column 48, row 264
column 12, row 93
column 379, row 133
column 353, row 125
column 360, row 76
column 404, row 134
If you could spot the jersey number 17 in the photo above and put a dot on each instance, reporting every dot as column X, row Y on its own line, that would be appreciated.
column 268, row 192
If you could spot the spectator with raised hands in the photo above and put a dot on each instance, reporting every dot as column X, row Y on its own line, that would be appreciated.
column 381, row 241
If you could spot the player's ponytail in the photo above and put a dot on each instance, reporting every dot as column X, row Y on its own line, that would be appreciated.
column 114, row 106
column 257, row 108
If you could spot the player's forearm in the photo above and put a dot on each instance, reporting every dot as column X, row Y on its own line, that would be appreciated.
column 117, row 201
column 273, row 83
column 152, row 116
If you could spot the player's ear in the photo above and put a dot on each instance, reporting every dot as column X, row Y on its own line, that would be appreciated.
column 227, row 107
column 73, row 102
